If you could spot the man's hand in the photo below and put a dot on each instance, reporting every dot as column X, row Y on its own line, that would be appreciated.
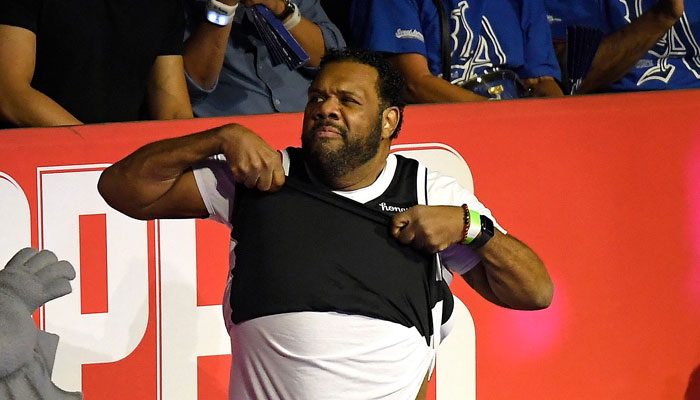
column 277, row 7
column 429, row 228
column 673, row 9
column 252, row 161
column 543, row 86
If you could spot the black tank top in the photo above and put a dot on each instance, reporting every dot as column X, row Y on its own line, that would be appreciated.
column 304, row 248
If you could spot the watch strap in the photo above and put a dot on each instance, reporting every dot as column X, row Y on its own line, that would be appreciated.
column 485, row 235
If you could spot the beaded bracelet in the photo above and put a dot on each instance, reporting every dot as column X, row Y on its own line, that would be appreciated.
column 466, row 224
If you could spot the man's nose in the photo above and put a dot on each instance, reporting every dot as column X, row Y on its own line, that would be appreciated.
column 328, row 108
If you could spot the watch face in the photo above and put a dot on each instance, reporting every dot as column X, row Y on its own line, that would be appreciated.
column 288, row 9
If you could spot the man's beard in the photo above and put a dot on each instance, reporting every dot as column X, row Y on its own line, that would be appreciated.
column 331, row 164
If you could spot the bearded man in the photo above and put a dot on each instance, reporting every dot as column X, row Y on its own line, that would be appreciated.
column 322, row 301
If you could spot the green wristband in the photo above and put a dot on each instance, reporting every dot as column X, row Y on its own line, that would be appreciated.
column 474, row 226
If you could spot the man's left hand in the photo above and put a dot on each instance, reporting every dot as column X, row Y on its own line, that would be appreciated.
column 429, row 228
column 277, row 7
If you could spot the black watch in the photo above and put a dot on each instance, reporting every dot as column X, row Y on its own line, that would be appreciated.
column 485, row 235
column 288, row 10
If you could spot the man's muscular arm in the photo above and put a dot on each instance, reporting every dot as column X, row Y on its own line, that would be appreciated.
column 206, row 47
column 621, row 50
column 510, row 274
column 156, row 181
column 205, row 50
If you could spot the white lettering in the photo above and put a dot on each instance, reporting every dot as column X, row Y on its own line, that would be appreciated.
column 385, row 207
column 99, row 337
column 409, row 34
column 16, row 224
column 188, row 331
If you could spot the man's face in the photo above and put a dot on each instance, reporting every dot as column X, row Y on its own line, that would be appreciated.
column 342, row 121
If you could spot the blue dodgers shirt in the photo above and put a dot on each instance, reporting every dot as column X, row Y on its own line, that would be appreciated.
column 673, row 63
column 511, row 34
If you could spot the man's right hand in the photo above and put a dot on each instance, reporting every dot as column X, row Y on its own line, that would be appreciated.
column 252, row 161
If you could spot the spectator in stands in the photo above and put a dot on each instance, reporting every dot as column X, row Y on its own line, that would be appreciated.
column 649, row 44
column 509, row 34
column 229, row 68
column 67, row 62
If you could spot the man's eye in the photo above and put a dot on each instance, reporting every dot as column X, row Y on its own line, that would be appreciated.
column 315, row 99
column 350, row 100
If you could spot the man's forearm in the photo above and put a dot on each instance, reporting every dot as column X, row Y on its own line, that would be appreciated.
column 133, row 184
column 433, row 89
column 423, row 87
column 167, row 89
column 621, row 50
column 515, row 274
column 27, row 107
column 204, row 53
column 310, row 38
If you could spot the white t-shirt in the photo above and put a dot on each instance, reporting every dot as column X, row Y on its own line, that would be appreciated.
column 328, row 355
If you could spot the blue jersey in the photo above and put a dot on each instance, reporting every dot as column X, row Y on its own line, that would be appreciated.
column 510, row 34
column 673, row 63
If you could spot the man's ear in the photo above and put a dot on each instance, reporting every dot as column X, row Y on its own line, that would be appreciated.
column 390, row 118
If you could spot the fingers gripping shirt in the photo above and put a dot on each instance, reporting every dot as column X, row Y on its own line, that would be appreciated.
column 217, row 187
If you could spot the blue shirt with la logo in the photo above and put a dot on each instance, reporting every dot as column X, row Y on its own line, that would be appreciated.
column 484, row 34
column 673, row 63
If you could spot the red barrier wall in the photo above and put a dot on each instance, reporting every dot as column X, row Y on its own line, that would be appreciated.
column 605, row 188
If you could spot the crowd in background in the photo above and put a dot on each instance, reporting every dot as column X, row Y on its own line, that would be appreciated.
column 67, row 62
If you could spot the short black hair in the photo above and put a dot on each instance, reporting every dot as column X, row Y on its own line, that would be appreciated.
column 390, row 83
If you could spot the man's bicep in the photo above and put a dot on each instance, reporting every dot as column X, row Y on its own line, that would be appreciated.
column 146, row 200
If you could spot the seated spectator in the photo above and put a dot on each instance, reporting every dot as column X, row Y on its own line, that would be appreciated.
column 507, row 34
column 67, row 62
column 649, row 44
column 229, row 68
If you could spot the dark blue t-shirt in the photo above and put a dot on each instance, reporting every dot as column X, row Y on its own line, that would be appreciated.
column 510, row 34
column 673, row 63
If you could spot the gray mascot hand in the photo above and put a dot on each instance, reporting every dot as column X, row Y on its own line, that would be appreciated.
column 30, row 279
